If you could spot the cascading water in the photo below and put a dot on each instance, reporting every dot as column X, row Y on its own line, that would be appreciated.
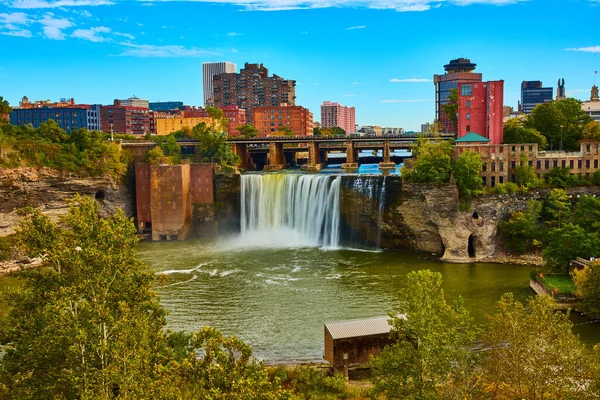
column 289, row 210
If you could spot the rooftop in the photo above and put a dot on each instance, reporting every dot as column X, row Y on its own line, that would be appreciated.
column 472, row 138
column 358, row 327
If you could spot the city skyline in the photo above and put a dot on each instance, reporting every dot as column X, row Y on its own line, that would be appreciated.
column 376, row 56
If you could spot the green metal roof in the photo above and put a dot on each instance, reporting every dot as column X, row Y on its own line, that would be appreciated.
column 472, row 138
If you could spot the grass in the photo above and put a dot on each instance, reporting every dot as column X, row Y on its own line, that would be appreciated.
column 563, row 282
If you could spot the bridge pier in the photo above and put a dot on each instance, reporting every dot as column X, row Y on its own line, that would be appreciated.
column 276, row 157
column 351, row 156
column 314, row 158
column 241, row 150
column 387, row 161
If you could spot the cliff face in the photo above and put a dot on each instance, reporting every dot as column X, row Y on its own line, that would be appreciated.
column 427, row 218
column 49, row 190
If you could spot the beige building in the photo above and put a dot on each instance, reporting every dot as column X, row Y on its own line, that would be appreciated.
column 166, row 124
column 592, row 107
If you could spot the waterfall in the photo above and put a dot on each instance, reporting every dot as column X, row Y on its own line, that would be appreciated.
column 365, row 196
column 290, row 210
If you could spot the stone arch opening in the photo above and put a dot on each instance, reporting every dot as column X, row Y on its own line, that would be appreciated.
column 100, row 195
column 475, row 215
column 471, row 246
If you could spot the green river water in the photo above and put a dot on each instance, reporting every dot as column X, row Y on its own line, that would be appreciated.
column 278, row 299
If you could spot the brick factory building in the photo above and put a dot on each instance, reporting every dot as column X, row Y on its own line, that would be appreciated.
column 336, row 115
column 167, row 123
column 457, row 71
column 269, row 120
column 126, row 119
column 481, row 110
column 251, row 88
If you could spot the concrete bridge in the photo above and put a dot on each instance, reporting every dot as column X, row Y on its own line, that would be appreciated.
column 317, row 147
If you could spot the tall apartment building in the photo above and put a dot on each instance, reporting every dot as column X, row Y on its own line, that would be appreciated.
column 592, row 107
column 457, row 71
column 481, row 110
column 126, row 119
column 251, row 88
column 269, row 120
column 336, row 115
column 532, row 94
column 75, row 116
column 209, row 70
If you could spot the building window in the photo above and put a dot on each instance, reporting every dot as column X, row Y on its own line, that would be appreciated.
column 468, row 103
column 468, row 128
column 468, row 116
column 466, row 90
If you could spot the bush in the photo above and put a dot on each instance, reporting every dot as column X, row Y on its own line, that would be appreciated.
column 562, row 178
column 596, row 178
column 307, row 382
column 504, row 188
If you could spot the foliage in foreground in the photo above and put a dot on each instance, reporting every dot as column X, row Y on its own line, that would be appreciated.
column 532, row 352
column 89, row 325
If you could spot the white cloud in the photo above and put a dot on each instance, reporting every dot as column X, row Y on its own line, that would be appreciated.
column 37, row 4
column 402, row 101
column 53, row 27
column 18, row 32
column 235, row 51
column 410, row 80
column 355, row 83
column 591, row 49
column 125, row 35
column 91, row 34
column 356, row 27
column 234, row 34
column 166, row 51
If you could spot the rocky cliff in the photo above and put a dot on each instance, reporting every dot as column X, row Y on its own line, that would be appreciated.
column 49, row 190
column 427, row 218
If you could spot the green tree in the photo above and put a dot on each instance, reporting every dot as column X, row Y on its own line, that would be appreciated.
column 591, row 131
column 587, row 281
column 5, row 110
column 317, row 131
column 88, row 323
column 525, row 175
column 213, row 145
column 155, row 156
column 451, row 108
column 431, row 162
column 467, row 174
column 560, row 122
column 557, row 206
column 337, row 131
column 284, row 131
column 516, row 133
column 521, row 230
column 432, row 338
column 172, row 149
column 568, row 242
column 51, row 131
column 247, row 130
column 587, row 213
column 561, row 177
column 533, row 353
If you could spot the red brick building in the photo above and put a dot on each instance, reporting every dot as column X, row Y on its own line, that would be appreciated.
column 269, row 120
column 481, row 110
column 457, row 71
column 251, row 88
column 126, row 119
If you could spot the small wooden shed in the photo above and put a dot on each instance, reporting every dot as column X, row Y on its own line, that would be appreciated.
column 352, row 343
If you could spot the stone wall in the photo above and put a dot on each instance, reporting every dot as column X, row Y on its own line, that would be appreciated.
column 50, row 191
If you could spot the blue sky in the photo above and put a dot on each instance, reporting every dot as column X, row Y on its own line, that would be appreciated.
column 378, row 56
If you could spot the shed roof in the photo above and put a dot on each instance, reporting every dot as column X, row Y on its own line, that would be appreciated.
column 358, row 327
column 472, row 138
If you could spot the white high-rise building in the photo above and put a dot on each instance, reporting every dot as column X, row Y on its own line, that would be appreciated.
column 211, row 69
